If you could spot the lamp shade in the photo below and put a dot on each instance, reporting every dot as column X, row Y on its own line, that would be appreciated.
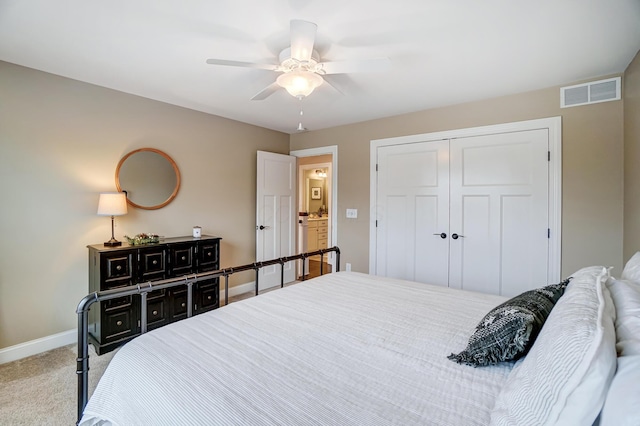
column 299, row 83
column 112, row 204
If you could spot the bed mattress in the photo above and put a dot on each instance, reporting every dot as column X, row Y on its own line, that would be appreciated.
column 342, row 349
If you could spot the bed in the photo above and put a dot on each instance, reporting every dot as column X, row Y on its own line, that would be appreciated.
column 353, row 349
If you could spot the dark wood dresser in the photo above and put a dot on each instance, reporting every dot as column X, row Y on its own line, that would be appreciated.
column 114, row 322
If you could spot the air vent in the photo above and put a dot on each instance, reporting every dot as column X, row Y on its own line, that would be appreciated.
column 590, row 93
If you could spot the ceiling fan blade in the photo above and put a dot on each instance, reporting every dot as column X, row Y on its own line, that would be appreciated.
column 266, row 92
column 303, row 36
column 364, row 65
column 225, row 62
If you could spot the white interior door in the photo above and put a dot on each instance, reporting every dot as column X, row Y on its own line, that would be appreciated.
column 499, row 209
column 413, row 195
column 488, row 196
column 276, row 217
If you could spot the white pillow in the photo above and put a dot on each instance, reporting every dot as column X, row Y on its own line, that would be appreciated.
column 631, row 270
column 626, row 298
column 564, row 378
column 623, row 399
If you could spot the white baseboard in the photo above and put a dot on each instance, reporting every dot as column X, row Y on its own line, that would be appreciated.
column 34, row 347
column 237, row 289
column 47, row 343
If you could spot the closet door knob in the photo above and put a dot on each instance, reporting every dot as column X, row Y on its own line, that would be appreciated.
column 443, row 235
column 456, row 236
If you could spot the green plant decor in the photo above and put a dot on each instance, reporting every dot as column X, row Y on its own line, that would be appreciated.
column 141, row 239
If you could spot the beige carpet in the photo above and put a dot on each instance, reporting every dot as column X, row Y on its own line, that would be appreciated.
column 42, row 389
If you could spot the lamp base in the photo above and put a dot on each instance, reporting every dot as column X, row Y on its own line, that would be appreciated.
column 112, row 243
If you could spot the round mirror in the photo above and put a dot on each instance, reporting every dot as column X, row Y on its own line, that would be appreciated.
column 150, row 178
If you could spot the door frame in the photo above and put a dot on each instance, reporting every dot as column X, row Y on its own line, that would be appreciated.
column 554, row 127
column 333, row 215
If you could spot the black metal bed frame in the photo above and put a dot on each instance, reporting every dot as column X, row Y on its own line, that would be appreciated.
column 82, row 369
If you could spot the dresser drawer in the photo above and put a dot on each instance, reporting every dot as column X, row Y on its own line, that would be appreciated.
column 182, row 260
column 117, row 267
column 119, row 324
column 156, row 313
column 152, row 263
column 209, row 294
column 208, row 256
column 178, row 304
column 118, row 303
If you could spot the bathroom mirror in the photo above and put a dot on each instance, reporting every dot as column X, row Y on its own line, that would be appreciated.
column 150, row 178
column 315, row 196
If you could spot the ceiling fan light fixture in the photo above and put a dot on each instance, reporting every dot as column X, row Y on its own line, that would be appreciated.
column 299, row 83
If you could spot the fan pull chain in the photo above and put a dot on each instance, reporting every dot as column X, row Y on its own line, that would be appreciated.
column 300, row 126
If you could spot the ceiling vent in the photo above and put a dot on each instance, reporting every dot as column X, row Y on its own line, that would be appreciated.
column 590, row 93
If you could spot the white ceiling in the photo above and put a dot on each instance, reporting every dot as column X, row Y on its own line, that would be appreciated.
column 442, row 52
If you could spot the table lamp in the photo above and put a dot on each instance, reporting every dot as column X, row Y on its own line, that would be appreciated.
column 112, row 204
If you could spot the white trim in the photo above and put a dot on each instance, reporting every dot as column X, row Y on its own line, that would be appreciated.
column 238, row 289
column 34, row 347
column 554, row 127
column 333, row 216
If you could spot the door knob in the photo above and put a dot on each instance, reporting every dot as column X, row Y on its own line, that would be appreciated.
column 456, row 236
column 443, row 235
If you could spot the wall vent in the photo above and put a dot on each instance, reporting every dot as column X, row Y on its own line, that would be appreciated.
column 590, row 93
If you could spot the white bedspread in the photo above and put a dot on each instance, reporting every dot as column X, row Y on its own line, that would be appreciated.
column 342, row 349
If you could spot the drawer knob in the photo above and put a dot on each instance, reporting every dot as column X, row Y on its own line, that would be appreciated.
column 209, row 253
column 119, row 323
column 184, row 257
column 208, row 297
column 183, row 304
column 155, row 262
column 155, row 312
column 119, row 267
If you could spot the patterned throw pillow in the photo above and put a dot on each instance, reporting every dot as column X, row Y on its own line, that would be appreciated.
column 508, row 331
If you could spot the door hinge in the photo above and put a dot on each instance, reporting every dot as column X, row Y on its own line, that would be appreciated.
column 376, row 167
column 548, row 232
column 376, row 223
column 548, row 155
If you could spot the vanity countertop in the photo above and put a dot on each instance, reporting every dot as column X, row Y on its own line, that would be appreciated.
column 318, row 218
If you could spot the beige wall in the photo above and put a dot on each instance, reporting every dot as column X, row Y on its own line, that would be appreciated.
column 592, row 169
column 60, row 142
column 632, row 158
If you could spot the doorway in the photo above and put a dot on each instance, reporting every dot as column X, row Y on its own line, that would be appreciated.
column 317, row 206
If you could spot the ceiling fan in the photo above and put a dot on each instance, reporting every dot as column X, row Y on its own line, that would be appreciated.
column 300, row 66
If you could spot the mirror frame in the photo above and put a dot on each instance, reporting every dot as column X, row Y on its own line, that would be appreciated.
column 175, row 169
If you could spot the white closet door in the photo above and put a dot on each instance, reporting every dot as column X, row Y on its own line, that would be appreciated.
column 413, row 205
column 499, row 208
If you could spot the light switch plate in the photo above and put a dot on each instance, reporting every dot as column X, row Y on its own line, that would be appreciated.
column 352, row 213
